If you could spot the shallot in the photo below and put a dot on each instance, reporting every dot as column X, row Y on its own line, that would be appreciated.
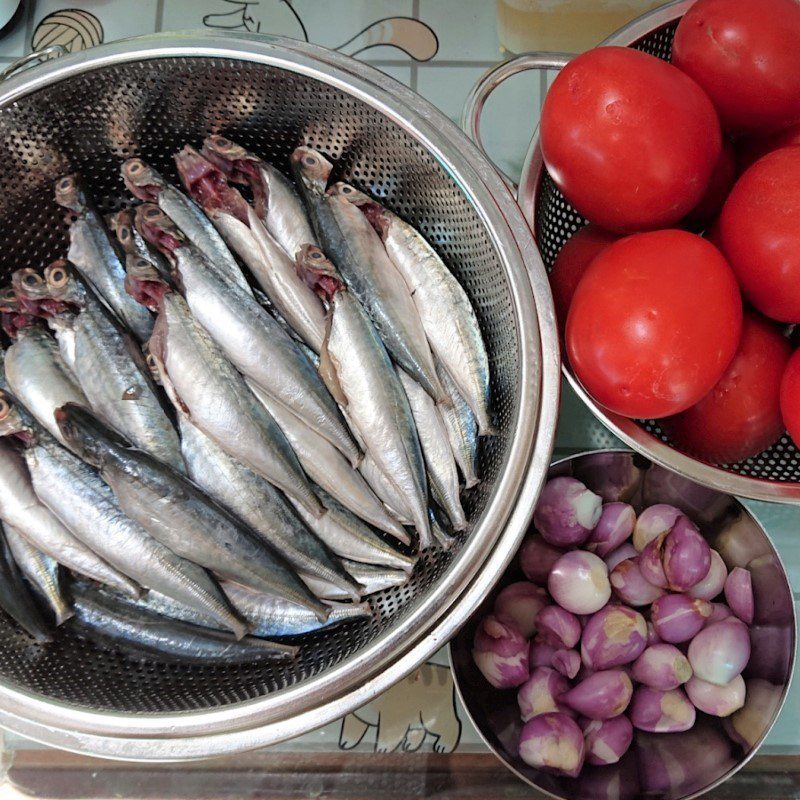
column 719, row 612
column 719, row 701
column 630, row 586
column 650, row 562
column 500, row 652
column 626, row 550
column 711, row 586
column 614, row 527
column 567, row 662
column 558, row 627
column 521, row 603
column 739, row 594
column 553, row 742
column 686, row 556
column 536, row 558
column 579, row 582
column 653, row 522
column 541, row 693
column 678, row 617
column 566, row 512
column 540, row 654
column 662, row 666
column 603, row 695
column 661, row 712
column 615, row 635
column 607, row 740
column 720, row 652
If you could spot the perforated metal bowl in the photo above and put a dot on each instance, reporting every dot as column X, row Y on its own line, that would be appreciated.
column 148, row 97
column 772, row 475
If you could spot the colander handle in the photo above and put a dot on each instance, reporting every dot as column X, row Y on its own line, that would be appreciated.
column 37, row 56
column 490, row 80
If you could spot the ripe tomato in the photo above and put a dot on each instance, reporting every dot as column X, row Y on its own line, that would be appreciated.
column 570, row 264
column 630, row 140
column 654, row 323
column 759, row 229
column 790, row 397
column 751, row 149
column 745, row 54
column 741, row 415
column 722, row 179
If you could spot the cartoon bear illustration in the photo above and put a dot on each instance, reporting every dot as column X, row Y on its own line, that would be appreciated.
column 419, row 706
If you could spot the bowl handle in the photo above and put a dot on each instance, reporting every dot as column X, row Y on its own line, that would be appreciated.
column 37, row 56
column 490, row 80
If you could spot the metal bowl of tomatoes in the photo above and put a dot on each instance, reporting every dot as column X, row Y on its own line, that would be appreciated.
column 681, row 338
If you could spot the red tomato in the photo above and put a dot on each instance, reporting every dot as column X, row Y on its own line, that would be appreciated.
column 748, row 151
column 741, row 415
column 746, row 55
column 790, row 397
column 722, row 179
column 630, row 140
column 759, row 229
column 570, row 264
column 654, row 323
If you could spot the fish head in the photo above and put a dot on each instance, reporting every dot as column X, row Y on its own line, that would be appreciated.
column 33, row 294
column 376, row 214
column 236, row 162
column 318, row 272
column 311, row 169
column 159, row 230
column 69, row 193
column 121, row 224
column 64, row 286
column 207, row 184
column 141, row 180
column 152, row 363
column 14, row 322
column 144, row 283
column 85, row 434
column 15, row 420
column 9, row 302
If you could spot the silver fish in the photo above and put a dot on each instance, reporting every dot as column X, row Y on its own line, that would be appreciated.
column 389, row 494
column 277, row 203
column 442, row 537
column 352, row 539
column 111, row 369
column 39, row 378
column 178, row 514
column 78, row 497
column 326, row 466
column 218, row 401
column 22, row 509
column 435, row 442
column 373, row 578
column 248, row 335
column 377, row 406
column 352, row 244
column 241, row 228
column 261, row 506
column 132, row 242
column 447, row 315
column 147, row 184
column 42, row 572
column 113, row 620
column 462, row 430
column 94, row 253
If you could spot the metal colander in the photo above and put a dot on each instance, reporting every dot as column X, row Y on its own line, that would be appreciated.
column 148, row 97
column 771, row 475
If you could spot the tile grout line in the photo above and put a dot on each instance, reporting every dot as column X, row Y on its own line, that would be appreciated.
column 159, row 16
column 414, row 72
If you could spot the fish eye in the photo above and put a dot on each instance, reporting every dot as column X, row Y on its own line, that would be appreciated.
column 57, row 277
column 135, row 166
column 315, row 254
column 31, row 279
column 221, row 141
column 66, row 183
column 123, row 233
column 9, row 294
column 310, row 161
column 153, row 213
column 347, row 189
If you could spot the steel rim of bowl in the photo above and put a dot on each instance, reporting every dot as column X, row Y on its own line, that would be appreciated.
column 624, row 428
column 787, row 688
column 355, row 681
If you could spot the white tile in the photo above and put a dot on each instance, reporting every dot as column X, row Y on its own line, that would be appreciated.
column 510, row 115
column 13, row 44
column 117, row 18
column 466, row 31
column 399, row 72
column 332, row 24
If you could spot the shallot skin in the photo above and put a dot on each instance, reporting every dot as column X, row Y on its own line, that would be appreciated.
column 721, row 651
column 553, row 742
column 719, row 701
column 607, row 740
column 566, row 512
column 651, row 562
column 579, row 582
column 614, row 636
column 614, row 527
column 662, row 666
column 500, row 652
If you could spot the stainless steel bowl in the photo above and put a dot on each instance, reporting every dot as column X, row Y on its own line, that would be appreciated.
column 659, row 766
column 147, row 97
column 773, row 475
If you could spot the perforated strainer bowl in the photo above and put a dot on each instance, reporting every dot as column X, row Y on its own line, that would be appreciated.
column 772, row 475
column 148, row 97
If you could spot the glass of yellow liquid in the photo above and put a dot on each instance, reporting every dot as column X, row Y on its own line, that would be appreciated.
column 570, row 26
